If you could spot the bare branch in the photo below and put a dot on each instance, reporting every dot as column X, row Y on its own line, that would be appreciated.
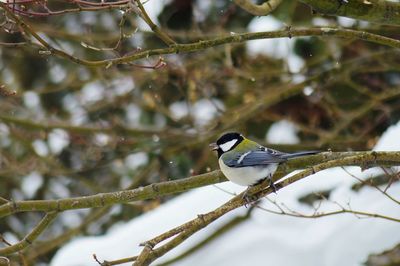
column 358, row 214
column 205, row 44
column 363, row 159
column 258, row 10
column 384, row 192
column 182, row 232
column 31, row 237
column 162, row 35
column 379, row 11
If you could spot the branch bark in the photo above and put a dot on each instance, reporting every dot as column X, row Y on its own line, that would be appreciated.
column 312, row 164
column 203, row 44
column 378, row 11
column 28, row 239
column 172, row 187
column 258, row 10
column 181, row 233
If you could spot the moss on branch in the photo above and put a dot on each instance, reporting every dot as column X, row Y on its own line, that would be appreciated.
column 379, row 11
column 172, row 187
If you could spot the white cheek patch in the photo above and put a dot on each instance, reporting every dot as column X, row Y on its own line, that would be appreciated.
column 228, row 145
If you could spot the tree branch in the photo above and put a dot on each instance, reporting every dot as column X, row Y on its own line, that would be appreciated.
column 379, row 11
column 258, row 10
column 143, row 14
column 331, row 213
column 172, row 187
column 106, row 199
column 182, row 232
column 205, row 44
column 29, row 238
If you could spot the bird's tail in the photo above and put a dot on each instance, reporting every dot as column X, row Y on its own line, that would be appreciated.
column 298, row 154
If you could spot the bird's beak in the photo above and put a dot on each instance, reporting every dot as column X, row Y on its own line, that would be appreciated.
column 213, row 146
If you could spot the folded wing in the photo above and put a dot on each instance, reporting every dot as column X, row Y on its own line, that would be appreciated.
column 263, row 157
column 254, row 158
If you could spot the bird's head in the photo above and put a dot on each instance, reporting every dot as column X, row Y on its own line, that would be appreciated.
column 227, row 142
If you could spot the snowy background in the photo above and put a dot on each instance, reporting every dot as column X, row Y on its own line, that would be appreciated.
column 342, row 239
column 71, row 130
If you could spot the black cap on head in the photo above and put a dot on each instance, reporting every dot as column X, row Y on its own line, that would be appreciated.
column 228, row 137
column 227, row 142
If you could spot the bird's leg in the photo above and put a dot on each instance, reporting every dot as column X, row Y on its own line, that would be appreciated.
column 272, row 185
column 250, row 198
column 247, row 197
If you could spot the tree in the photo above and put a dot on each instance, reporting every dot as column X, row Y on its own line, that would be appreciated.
column 110, row 102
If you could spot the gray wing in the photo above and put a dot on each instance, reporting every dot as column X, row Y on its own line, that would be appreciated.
column 254, row 158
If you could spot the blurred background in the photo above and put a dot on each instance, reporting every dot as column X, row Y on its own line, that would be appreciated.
column 70, row 130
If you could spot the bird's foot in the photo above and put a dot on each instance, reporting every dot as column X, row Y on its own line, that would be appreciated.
column 247, row 197
column 272, row 186
column 250, row 198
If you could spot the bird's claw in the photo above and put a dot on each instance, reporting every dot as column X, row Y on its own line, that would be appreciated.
column 248, row 198
column 272, row 186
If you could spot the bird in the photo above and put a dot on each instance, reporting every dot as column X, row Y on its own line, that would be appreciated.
column 247, row 163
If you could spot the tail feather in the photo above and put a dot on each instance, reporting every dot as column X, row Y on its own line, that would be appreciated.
column 298, row 154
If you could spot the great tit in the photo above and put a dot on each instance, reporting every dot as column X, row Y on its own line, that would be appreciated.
column 248, row 163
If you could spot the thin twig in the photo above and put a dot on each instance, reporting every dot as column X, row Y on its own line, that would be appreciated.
column 384, row 192
column 162, row 35
column 31, row 237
